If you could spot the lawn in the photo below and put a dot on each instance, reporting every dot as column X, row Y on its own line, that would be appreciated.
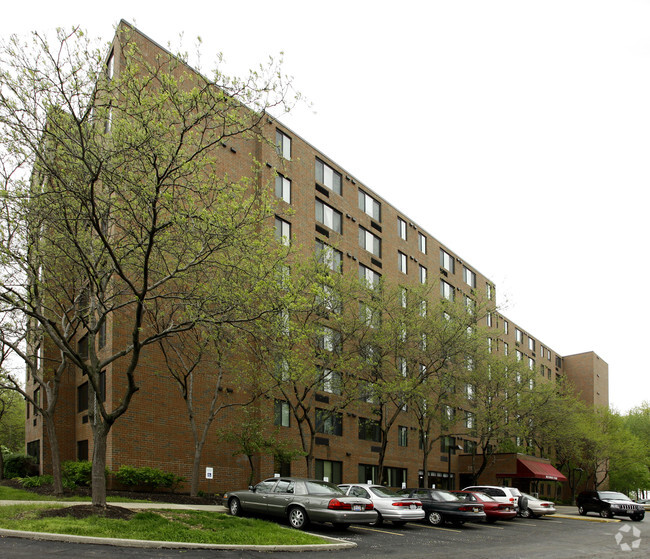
column 158, row 525
column 13, row 494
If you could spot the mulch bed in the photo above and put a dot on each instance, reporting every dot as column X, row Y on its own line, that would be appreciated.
column 111, row 511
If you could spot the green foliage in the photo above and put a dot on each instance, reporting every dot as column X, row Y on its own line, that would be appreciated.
column 19, row 465
column 77, row 473
column 36, row 481
column 150, row 478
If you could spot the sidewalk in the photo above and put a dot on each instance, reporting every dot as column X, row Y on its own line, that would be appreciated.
column 334, row 545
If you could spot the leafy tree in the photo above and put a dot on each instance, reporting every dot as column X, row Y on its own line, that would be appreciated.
column 115, row 208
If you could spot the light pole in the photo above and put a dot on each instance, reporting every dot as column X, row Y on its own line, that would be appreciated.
column 450, row 447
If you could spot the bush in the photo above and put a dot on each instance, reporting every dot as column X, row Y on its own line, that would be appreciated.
column 20, row 465
column 150, row 478
column 36, row 481
column 76, row 473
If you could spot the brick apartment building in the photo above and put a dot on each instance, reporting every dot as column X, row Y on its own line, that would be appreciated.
column 331, row 206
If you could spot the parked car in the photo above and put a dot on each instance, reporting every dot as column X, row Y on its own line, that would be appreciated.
column 442, row 506
column 645, row 503
column 301, row 501
column 388, row 504
column 502, row 494
column 609, row 504
column 536, row 507
column 494, row 510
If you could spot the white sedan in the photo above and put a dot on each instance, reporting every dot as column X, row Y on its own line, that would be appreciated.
column 536, row 507
column 388, row 504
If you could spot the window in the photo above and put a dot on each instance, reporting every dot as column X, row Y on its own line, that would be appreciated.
column 282, row 231
column 370, row 276
column 448, row 443
column 423, row 274
column 446, row 290
column 328, row 422
column 490, row 291
column 423, row 308
column 402, row 436
column 531, row 363
column 329, row 340
column 330, row 470
column 369, row 430
column 281, row 414
column 330, row 381
column 328, row 216
column 108, row 124
column 505, row 348
column 101, row 335
column 370, row 242
column 82, row 397
column 328, row 177
column 371, row 316
column 520, row 355
column 369, row 205
column 34, row 450
column 283, row 144
column 488, row 319
column 531, row 344
column 37, row 401
column 469, row 277
column 401, row 262
column 505, row 326
column 401, row 228
column 82, row 347
column 422, row 243
column 469, row 420
column 82, row 450
column 489, row 345
column 102, row 386
column 447, row 261
column 449, row 413
column 403, row 297
column 283, row 188
column 328, row 299
column 519, row 336
column 469, row 447
column 110, row 66
column 328, row 256
column 469, row 391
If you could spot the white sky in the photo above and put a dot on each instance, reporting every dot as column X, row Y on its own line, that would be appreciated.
column 517, row 132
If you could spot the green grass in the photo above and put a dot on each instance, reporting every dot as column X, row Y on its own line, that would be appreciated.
column 11, row 494
column 158, row 525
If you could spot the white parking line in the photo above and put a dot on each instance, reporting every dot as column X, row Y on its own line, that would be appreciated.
column 441, row 528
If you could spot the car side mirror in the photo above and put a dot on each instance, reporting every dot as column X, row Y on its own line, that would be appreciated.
column 251, row 488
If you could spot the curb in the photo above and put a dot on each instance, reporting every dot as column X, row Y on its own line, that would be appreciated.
column 587, row 518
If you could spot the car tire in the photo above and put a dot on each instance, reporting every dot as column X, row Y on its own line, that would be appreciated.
column 638, row 517
column 605, row 513
column 298, row 518
column 399, row 522
column 522, row 502
column 435, row 518
column 234, row 507
column 379, row 520
column 341, row 525
column 582, row 511
column 525, row 513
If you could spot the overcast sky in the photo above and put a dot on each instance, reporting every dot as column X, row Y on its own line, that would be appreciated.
column 516, row 132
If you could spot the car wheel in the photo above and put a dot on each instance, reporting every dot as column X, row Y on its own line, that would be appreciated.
column 379, row 520
column 638, row 517
column 605, row 513
column 341, row 525
column 234, row 506
column 399, row 522
column 434, row 518
column 582, row 511
column 525, row 513
column 298, row 518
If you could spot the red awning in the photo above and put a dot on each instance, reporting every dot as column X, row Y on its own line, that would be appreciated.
column 538, row 470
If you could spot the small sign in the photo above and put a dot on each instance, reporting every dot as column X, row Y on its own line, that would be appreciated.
column 209, row 473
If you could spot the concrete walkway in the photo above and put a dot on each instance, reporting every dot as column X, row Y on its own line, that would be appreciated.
column 334, row 544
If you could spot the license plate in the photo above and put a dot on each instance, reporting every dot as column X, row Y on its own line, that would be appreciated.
column 476, row 509
column 412, row 507
column 356, row 507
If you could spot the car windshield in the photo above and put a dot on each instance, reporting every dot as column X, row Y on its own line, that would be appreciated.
column 383, row 492
column 444, row 496
column 485, row 497
column 322, row 488
column 611, row 495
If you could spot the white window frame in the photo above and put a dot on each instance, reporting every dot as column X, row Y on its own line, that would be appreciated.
column 402, row 229
column 283, row 144
column 283, row 188
column 369, row 205
column 282, row 231
column 329, row 217
column 328, row 177
column 370, row 242
column 422, row 243
column 402, row 262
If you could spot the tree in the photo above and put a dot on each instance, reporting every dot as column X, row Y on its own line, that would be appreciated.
column 116, row 209
column 12, row 421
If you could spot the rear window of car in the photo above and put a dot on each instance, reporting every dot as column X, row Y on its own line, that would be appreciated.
column 322, row 488
column 383, row 492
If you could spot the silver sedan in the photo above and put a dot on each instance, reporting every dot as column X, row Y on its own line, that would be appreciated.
column 388, row 504
column 536, row 507
column 301, row 501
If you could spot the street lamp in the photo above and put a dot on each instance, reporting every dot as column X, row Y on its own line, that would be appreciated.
column 450, row 447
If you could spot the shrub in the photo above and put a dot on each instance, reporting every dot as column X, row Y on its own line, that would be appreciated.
column 76, row 473
column 20, row 465
column 150, row 478
column 36, row 481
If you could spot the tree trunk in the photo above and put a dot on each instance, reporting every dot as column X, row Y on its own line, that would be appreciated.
column 55, row 454
column 98, row 476
column 196, row 469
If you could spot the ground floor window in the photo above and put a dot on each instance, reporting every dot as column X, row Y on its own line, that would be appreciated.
column 329, row 469
column 438, row 480
column 82, row 450
column 393, row 477
column 34, row 450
